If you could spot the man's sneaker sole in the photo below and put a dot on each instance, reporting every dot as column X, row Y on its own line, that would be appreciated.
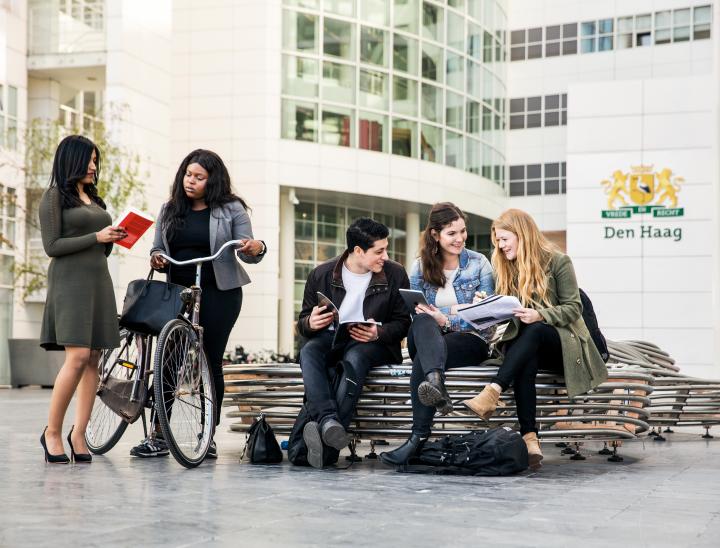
column 164, row 453
column 313, row 442
column 432, row 397
column 335, row 436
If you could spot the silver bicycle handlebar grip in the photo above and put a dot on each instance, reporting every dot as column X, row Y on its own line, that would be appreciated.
column 201, row 259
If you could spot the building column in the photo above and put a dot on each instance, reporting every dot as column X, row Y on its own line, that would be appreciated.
column 412, row 237
column 286, row 312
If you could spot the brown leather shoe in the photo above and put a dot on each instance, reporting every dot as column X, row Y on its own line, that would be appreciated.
column 485, row 403
column 535, row 456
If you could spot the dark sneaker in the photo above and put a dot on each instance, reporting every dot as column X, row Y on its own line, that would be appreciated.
column 334, row 435
column 314, row 444
column 212, row 451
column 149, row 448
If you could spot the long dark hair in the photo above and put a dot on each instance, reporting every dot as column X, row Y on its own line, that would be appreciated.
column 70, row 166
column 218, row 188
column 441, row 215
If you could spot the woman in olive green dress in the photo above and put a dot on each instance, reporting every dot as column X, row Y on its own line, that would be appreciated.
column 80, row 314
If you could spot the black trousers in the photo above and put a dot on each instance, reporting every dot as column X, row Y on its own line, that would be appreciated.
column 219, row 310
column 430, row 349
column 318, row 356
column 537, row 346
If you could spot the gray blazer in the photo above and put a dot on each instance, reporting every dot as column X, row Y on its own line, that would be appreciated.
column 229, row 222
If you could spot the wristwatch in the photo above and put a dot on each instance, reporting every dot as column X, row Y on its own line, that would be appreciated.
column 446, row 328
column 264, row 249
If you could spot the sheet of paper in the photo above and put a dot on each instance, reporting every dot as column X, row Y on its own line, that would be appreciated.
column 489, row 312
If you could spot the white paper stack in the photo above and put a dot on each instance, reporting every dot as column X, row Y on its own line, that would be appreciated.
column 489, row 312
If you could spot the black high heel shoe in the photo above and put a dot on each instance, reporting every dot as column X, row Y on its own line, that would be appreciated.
column 52, row 459
column 77, row 457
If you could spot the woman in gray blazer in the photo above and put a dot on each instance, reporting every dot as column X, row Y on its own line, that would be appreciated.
column 201, row 215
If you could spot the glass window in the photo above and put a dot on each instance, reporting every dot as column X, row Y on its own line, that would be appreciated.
column 552, row 102
column 456, row 31
column 552, row 118
column 474, row 79
column 405, row 94
column 643, row 39
column 338, row 83
column 404, row 138
column 681, row 17
column 431, row 143
column 535, row 35
column 432, row 101
column 432, row 62
column 569, row 47
column 701, row 18
column 605, row 26
column 625, row 32
column 300, row 76
column 552, row 186
column 534, row 103
column 300, row 31
column 376, row 12
column 373, row 46
column 517, row 121
column 534, row 171
column 517, row 53
column 605, row 43
column 455, row 72
column 475, row 46
column 299, row 121
column 552, row 49
column 681, row 34
column 552, row 32
column 432, row 21
column 406, row 15
column 488, row 47
column 517, row 37
column 473, row 156
column 643, row 22
column 373, row 130
column 337, row 126
column 457, row 4
column 405, row 54
column 534, row 188
column 517, row 105
column 517, row 188
column 338, row 39
column 341, row 7
column 454, row 149
column 473, row 117
column 374, row 89
column 587, row 28
column 534, row 52
column 454, row 110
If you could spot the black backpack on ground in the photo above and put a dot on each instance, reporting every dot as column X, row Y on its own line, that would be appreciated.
column 494, row 452
column 588, row 314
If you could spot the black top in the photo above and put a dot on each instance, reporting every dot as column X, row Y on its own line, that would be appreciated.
column 191, row 241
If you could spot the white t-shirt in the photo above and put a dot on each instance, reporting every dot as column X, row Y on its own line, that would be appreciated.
column 446, row 295
column 356, row 285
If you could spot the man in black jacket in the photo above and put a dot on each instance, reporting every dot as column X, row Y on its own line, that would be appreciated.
column 362, row 327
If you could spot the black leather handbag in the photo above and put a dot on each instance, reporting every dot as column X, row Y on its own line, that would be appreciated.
column 115, row 393
column 150, row 304
column 261, row 446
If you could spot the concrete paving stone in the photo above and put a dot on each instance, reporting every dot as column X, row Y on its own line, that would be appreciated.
column 662, row 495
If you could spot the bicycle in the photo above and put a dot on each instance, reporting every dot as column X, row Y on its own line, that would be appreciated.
column 180, row 394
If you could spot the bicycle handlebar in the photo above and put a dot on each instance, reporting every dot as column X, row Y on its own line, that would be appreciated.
column 202, row 259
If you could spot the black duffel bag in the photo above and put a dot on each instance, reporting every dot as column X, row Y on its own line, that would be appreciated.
column 150, row 304
column 494, row 452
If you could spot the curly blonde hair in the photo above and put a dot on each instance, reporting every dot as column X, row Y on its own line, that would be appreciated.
column 523, row 277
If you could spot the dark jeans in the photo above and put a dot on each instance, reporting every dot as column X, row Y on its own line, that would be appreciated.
column 430, row 349
column 317, row 358
column 536, row 347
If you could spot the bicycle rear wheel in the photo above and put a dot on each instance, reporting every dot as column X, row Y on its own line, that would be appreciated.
column 107, row 427
column 184, row 393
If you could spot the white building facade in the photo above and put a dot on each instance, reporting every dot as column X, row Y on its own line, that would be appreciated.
column 326, row 110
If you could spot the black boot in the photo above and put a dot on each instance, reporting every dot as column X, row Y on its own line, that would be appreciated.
column 411, row 448
column 432, row 392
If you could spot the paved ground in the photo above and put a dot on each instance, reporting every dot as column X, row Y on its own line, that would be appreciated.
column 664, row 494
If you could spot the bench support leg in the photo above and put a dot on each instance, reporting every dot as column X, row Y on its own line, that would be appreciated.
column 615, row 457
column 605, row 450
column 353, row 456
column 372, row 455
column 578, row 455
column 707, row 435
column 669, row 430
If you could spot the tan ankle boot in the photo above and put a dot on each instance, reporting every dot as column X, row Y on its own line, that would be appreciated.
column 535, row 456
column 485, row 403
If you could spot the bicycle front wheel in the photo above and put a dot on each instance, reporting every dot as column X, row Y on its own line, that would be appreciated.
column 107, row 427
column 184, row 393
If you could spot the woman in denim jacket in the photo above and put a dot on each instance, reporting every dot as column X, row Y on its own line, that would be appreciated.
column 449, row 275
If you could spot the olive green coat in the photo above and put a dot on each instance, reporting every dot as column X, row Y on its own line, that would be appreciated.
column 583, row 366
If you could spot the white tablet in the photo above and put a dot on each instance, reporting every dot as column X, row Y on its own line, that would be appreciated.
column 412, row 298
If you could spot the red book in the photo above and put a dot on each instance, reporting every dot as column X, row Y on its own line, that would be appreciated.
column 135, row 222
